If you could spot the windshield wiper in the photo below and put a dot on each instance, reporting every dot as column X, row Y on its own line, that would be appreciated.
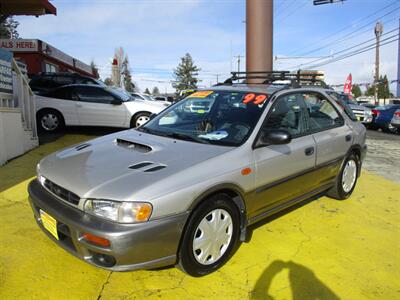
column 185, row 137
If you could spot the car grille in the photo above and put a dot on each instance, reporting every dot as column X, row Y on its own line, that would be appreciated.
column 61, row 192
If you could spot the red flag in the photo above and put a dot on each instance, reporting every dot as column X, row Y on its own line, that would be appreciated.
column 348, row 84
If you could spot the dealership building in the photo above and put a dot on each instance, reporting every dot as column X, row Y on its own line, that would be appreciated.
column 41, row 57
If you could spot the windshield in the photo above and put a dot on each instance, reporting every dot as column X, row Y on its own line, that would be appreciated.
column 120, row 93
column 213, row 117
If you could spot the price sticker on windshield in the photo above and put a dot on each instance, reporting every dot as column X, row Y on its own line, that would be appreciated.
column 201, row 94
column 256, row 99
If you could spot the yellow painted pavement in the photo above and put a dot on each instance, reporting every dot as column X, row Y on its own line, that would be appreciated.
column 326, row 249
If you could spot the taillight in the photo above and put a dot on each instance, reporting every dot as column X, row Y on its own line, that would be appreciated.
column 375, row 112
column 397, row 113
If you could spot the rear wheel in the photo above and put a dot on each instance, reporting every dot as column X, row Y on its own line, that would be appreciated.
column 50, row 121
column 210, row 237
column 347, row 179
column 140, row 119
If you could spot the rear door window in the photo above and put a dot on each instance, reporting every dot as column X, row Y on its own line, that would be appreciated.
column 323, row 114
column 94, row 95
column 60, row 93
column 344, row 104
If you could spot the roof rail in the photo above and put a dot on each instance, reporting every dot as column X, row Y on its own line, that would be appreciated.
column 298, row 79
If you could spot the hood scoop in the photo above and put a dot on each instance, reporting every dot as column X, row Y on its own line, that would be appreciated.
column 82, row 146
column 140, row 165
column 156, row 168
column 133, row 145
column 152, row 166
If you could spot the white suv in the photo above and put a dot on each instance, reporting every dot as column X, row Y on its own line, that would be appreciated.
column 90, row 105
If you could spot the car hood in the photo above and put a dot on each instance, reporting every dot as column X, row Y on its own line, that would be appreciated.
column 121, row 164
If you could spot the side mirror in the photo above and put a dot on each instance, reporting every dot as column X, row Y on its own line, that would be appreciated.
column 273, row 137
column 116, row 102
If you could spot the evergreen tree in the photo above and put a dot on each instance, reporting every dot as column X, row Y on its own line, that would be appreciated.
column 356, row 91
column 128, row 84
column 8, row 28
column 186, row 74
column 146, row 91
column 156, row 91
column 95, row 70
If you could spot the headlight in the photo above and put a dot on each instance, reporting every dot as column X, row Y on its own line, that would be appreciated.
column 368, row 112
column 122, row 212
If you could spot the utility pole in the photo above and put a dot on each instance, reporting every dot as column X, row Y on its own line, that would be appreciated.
column 378, row 33
column 398, row 66
column 238, row 61
column 259, row 36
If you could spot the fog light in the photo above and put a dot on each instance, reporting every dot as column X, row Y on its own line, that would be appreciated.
column 103, row 260
column 96, row 240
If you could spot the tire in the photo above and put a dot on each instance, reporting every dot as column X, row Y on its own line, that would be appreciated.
column 347, row 179
column 140, row 119
column 49, row 120
column 195, row 258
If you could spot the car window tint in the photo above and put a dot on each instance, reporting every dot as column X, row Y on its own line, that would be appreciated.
column 62, row 93
column 289, row 113
column 322, row 113
column 95, row 95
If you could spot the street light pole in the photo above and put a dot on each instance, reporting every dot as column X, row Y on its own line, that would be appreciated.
column 259, row 36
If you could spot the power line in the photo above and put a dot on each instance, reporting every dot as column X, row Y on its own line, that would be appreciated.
column 341, row 51
column 347, row 27
column 362, row 50
column 349, row 35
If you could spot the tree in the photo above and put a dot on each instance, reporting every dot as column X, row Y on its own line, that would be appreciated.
column 126, row 73
column 95, row 70
column 8, row 28
column 383, row 89
column 156, row 91
column 186, row 74
column 146, row 91
column 356, row 91
column 108, row 81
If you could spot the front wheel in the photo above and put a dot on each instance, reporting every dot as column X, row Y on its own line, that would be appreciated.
column 347, row 179
column 210, row 237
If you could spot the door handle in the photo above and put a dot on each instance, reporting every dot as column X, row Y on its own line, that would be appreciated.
column 309, row 151
column 348, row 138
column 78, row 105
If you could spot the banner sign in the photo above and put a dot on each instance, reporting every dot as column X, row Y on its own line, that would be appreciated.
column 19, row 45
column 348, row 85
column 6, row 80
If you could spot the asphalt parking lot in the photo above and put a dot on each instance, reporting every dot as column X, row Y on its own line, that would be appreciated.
column 323, row 249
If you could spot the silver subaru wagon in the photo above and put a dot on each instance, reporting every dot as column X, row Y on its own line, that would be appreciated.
column 184, row 188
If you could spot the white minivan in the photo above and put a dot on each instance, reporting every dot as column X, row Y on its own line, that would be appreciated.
column 91, row 105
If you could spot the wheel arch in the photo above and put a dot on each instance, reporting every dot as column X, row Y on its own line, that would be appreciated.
column 357, row 150
column 234, row 192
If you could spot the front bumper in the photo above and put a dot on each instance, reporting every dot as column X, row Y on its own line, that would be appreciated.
column 133, row 246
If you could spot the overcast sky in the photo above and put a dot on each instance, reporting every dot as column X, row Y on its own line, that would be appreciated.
column 156, row 33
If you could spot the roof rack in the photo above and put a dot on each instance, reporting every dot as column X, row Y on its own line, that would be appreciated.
column 298, row 79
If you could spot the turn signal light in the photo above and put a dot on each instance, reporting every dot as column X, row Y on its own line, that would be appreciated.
column 94, row 239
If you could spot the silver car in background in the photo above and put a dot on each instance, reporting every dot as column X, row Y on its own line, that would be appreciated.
column 184, row 188
column 395, row 122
